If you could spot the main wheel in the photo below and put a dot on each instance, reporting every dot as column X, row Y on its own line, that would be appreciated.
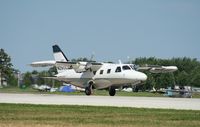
column 88, row 91
column 112, row 91
column 135, row 89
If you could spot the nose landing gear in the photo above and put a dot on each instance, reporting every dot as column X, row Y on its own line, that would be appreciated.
column 112, row 91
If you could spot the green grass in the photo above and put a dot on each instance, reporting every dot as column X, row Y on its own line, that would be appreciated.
column 18, row 115
column 17, row 90
column 195, row 95
column 96, row 92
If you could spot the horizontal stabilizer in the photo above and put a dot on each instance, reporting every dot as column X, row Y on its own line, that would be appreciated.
column 48, row 63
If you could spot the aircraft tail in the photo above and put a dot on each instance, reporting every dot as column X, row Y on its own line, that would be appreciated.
column 58, row 54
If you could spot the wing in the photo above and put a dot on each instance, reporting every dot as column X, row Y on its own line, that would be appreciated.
column 79, row 66
column 48, row 63
column 158, row 69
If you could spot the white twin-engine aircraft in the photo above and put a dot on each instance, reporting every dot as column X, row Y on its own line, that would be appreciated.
column 94, row 75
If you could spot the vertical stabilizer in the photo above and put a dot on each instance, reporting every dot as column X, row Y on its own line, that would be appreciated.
column 58, row 54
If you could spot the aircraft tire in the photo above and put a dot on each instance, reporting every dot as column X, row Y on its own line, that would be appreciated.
column 88, row 91
column 112, row 91
column 135, row 89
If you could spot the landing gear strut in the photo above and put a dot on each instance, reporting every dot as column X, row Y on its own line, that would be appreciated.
column 112, row 91
column 135, row 89
column 88, row 89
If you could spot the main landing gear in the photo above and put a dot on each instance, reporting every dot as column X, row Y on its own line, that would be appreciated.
column 88, row 89
column 112, row 91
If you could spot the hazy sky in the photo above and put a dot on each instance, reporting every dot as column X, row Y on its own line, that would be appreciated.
column 113, row 29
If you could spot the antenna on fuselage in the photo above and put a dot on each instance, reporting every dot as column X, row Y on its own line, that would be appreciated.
column 120, row 62
column 129, row 60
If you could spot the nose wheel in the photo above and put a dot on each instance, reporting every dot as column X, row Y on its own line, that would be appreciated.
column 112, row 91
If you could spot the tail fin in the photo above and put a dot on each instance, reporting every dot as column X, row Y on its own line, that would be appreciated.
column 58, row 54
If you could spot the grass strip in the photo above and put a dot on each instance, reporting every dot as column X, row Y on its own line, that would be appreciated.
column 18, row 115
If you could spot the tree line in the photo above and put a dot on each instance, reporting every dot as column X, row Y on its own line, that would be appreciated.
column 188, row 72
column 38, row 77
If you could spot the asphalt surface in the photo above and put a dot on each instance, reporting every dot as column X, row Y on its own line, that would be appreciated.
column 139, row 102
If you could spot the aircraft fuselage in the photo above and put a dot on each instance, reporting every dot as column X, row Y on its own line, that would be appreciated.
column 107, row 75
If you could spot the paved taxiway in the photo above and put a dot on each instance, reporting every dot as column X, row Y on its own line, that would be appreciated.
column 144, row 102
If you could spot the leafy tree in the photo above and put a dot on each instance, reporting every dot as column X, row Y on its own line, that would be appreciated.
column 13, row 80
column 40, row 79
column 6, row 70
column 27, row 80
column 34, row 72
column 150, row 83
column 183, row 78
column 195, row 77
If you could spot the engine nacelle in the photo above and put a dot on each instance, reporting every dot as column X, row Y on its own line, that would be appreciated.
column 83, row 66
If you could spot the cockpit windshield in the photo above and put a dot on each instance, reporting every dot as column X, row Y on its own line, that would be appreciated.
column 133, row 67
column 126, row 67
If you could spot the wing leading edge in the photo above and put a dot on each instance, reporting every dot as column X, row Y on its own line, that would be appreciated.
column 158, row 69
column 48, row 63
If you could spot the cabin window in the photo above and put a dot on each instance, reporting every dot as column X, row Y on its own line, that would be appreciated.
column 118, row 69
column 108, row 71
column 94, row 72
column 101, row 72
column 126, row 67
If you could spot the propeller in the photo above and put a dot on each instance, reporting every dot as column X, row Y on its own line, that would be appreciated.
column 89, row 64
column 92, row 56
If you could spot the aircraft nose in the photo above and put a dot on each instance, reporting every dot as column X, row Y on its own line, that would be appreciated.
column 142, row 76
